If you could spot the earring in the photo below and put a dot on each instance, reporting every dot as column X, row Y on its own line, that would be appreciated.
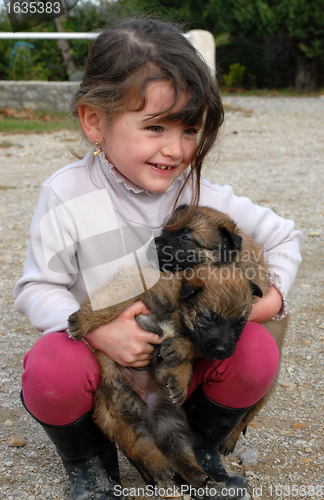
column 98, row 150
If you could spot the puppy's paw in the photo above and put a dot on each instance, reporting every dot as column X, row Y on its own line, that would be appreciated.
column 199, row 478
column 228, row 446
column 164, row 474
column 81, row 322
column 150, row 323
column 205, row 481
column 75, row 326
column 169, row 353
column 130, row 404
column 174, row 390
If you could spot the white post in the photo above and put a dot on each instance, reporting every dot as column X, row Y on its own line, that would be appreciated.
column 204, row 42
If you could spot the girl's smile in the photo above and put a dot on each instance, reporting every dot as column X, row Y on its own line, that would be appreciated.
column 151, row 151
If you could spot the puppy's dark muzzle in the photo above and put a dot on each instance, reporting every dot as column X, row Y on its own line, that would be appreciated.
column 215, row 349
column 219, row 353
column 153, row 254
column 159, row 256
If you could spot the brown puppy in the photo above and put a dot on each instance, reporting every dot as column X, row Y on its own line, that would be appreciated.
column 194, row 314
column 213, row 237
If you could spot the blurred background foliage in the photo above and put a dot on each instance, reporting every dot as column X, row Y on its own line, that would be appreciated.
column 272, row 44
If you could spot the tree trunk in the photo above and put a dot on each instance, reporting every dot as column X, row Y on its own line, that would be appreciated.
column 65, row 49
column 306, row 73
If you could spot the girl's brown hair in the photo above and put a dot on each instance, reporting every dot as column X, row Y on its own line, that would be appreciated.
column 133, row 52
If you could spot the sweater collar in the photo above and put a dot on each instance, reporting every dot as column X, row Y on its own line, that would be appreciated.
column 127, row 183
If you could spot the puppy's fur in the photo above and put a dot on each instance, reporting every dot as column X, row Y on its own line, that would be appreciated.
column 139, row 409
column 213, row 237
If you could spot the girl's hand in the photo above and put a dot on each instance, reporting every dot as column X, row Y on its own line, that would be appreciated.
column 123, row 341
column 267, row 307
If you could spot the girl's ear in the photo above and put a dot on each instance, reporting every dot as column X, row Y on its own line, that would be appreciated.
column 92, row 123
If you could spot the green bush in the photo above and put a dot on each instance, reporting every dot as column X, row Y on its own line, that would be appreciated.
column 235, row 76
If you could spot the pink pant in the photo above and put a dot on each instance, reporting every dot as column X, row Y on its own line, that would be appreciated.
column 61, row 375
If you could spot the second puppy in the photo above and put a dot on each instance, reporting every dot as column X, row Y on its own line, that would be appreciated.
column 194, row 314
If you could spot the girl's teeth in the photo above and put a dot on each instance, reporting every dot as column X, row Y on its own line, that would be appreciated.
column 163, row 167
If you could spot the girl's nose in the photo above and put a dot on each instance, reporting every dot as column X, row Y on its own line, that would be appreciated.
column 173, row 147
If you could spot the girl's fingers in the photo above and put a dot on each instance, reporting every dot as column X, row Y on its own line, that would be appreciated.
column 154, row 339
column 137, row 308
column 142, row 360
column 140, row 308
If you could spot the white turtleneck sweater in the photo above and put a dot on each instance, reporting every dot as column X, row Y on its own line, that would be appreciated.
column 90, row 202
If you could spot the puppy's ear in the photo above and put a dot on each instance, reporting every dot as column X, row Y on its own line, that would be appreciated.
column 188, row 290
column 256, row 290
column 235, row 240
column 182, row 208
column 177, row 214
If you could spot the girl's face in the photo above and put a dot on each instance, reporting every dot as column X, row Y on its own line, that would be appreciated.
column 151, row 152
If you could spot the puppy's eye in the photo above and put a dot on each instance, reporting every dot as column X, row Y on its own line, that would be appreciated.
column 241, row 325
column 184, row 237
column 206, row 318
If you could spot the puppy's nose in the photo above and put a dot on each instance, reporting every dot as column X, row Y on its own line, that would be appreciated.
column 157, row 244
column 220, row 352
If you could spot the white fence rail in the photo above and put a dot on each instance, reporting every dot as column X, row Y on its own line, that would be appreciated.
column 56, row 96
column 202, row 40
column 27, row 35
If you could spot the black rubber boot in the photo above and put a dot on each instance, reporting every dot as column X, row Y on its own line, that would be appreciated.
column 89, row 459
column 212, row 424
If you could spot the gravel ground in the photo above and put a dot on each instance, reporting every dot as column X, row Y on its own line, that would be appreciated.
column 272, row 151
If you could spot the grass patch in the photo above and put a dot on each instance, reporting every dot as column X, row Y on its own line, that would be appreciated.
column 6, row 144
column 237, row 109
column 18, row 126
column 30, row 122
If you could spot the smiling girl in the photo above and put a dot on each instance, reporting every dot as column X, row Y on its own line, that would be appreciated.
column 152, row 111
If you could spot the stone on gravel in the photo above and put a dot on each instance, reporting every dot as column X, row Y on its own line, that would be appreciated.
column 16, row 440
column 249, row 457
column 286, row 383
column 300, row 426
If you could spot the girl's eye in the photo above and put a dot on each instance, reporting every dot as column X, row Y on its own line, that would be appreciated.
column 191, row 131
column 155, row 128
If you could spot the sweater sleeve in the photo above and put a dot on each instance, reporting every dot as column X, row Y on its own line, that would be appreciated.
column 277, row 237
column 43, row 294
